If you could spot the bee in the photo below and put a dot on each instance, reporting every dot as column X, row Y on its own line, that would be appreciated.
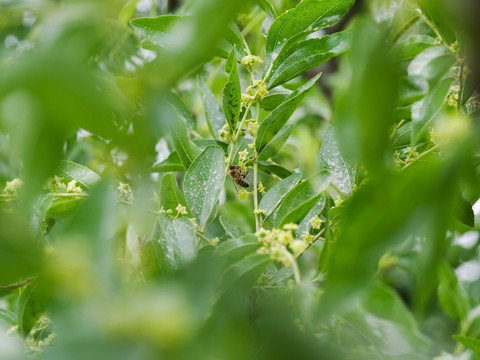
column 238, row 175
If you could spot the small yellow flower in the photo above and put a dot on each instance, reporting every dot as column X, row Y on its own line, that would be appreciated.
column 243, row 194
column 214, row 241
column 252, row 128
column 224, row 133
column 12, row 186
column 259, row 211
column 181, row 209
column 251, row 146
column 308, row 237
column 316, row 222
column 73, row 188
column 156, row 198
column 243, row 155
column 338, row 201
column 290, row 226
column 261, row 188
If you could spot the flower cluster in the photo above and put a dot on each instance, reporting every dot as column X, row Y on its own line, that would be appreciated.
column 12, row 186
column 58, row 184
column 224, row 133
column 125, row 192
column 281, row 244
column 255, row 92
column 249, row 61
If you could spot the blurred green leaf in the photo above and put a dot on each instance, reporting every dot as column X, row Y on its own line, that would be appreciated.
column 213, row 114
column 276, row 144
column 408, row 49
column 204, row 182
column 150, row 265
column 365, row 110
column 270, row 12
column 469, row 342
column 452, row 297
column 426, row 110
column 78, row 172
column 187, row 151
column 306, row 55
column 274, row 98
column 170, row 195
column 341, row 169
column 304, row 226
column 21, row 255
column 179, row 240
column 8, row 318
column 171, row 164
column 273, row 169
column 232, row 91
column 273, row 197
column 309, row 16
column 236, row 249
column 274, row 122
column 31, row 306
column 231, row 229
column 244, row 273
column 298, row 201
column 432, row 64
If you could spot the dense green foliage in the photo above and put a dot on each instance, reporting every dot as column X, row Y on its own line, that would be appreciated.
column 231, row 180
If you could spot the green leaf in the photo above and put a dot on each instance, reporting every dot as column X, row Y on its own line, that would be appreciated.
column 273, row 169
column 204, row 182
column 274, row 122
column 365, row 111
column 170, row 164
column 276, row 194
column 170, row 194
column 426, row 110
column 83, row 175
column 464, row 212
column 232, row 91
column 274, row 147
column 63, row 206
column 432, row 64
column 245, row 272
column 231, row 228
column 232, row 38
column 309, row 16
column 234, row 250
column 274, row 98
column 469, row 342
column 179, row 107
column 187, row 151
column 9, row 318
column 298, row 201
column 20, row 254
column 306, row 55
column 149, row 263
column 40, row 210
column 151, row 26
column 304, row 226
column 271, row 15
column 31, row 306
column 178, row 240
column 213, row 114
column 342, row 171
column 452, row 296
column 408, row 49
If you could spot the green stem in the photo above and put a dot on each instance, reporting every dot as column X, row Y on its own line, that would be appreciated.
column 245, row 114
column 460, row 91
column 17, row 285
column 421, row 156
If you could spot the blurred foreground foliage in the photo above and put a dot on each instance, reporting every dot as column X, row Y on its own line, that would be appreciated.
column 352, row 128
